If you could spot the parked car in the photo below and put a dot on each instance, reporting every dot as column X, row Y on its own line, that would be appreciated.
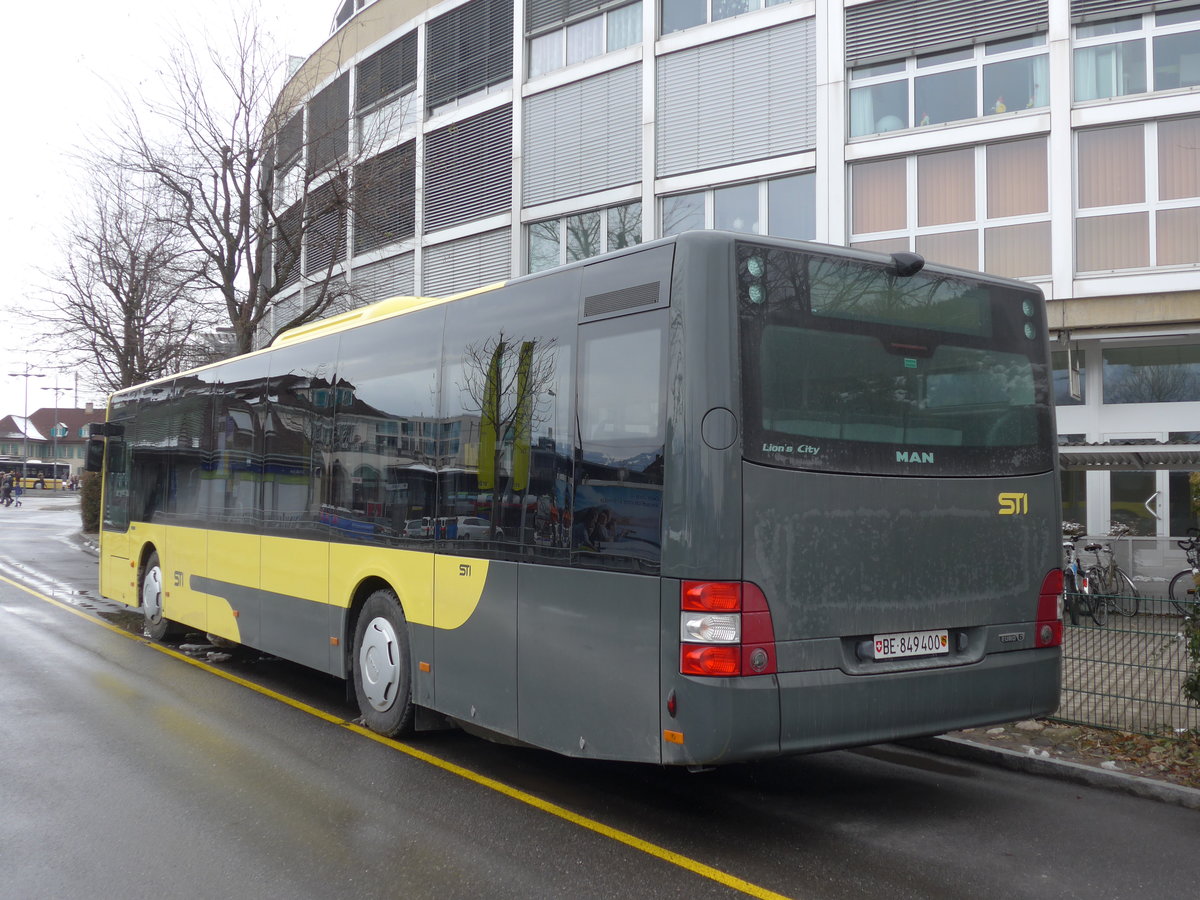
column 418, row 528
column 473, row 528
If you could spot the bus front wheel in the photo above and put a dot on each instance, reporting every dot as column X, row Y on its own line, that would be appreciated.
column 382, row 669
column 157, row 626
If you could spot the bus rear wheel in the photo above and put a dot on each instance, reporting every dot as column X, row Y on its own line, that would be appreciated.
column 157, row 626
column 381, row 665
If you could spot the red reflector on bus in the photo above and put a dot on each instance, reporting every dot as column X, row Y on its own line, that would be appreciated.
column 713, row 660
column 1048, row 632
column 711, row 596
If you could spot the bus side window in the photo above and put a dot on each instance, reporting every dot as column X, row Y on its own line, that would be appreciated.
column 617, row 509
column 116, row 488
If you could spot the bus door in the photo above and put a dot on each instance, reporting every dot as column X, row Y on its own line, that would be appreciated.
column 117, row 573
column 590, row 631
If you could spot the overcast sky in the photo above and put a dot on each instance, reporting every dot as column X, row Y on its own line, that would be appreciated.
column 62, row 65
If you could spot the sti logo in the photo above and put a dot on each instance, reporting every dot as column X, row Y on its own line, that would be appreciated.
column 1013, row 504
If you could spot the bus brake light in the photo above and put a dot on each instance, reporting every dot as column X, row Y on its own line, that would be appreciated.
column 715, row 660
column 711, row 596
column 1048, row 631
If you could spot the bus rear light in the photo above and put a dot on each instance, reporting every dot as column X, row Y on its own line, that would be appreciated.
column 711, row 596
column 714, row 660
column 725, row 630
column 1048, row 632
column 710, row 629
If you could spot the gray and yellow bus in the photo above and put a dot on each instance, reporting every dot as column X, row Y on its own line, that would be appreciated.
column 711, row 498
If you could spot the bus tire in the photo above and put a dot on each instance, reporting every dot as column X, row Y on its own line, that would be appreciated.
column 157, row 626
column 381, row 665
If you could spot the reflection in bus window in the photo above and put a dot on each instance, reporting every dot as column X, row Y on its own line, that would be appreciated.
column 617, row 506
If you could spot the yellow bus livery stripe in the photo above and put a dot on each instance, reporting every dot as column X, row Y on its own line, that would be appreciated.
column 315, row 571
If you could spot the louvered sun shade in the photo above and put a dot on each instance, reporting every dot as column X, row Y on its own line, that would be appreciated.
column 391, row 277
column 542, row 13
column 583, row 137
column 328, row 124
column 385, row 198
column 391, row 69
column 711, row 114
column 325, row 225
column 468, row 49
column 467, row 263
column 468, row 170
column 893, row 29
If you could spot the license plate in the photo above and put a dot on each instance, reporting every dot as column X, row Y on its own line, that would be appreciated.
column 912, row 643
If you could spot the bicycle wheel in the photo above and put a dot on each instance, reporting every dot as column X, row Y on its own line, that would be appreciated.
column 1071, row 596
column 1098, row 599
column 1125, row 597
column 1183, row 593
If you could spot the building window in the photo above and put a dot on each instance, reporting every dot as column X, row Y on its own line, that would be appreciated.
column 1062, row 380
column 468, row 52
column 384, row 94
column 1163, row 374
column 1133, row 214
column 385, row 198
column 1135, row 54
column 554, row 242
column 680, row 14
column 612, row 30
column 982, row 207
column 782, row 207
column 984, row 80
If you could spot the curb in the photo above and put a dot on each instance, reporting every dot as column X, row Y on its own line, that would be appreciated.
column 1064, row 770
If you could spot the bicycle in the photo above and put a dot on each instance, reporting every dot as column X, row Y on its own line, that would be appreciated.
column 1075, row 582
column 1109, row 583
column 1183, row 587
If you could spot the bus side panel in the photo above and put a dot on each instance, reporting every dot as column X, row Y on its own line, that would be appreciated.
column 588, row 662
column 296, row 623
column 233, row 559
column 178, row 548
column 183, row 554
column 117, row 575
column 475, row 662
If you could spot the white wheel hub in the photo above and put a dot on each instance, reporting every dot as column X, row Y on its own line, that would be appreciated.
column 152, row 595
column 379, row 664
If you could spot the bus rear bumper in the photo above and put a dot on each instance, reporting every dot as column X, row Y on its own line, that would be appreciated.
column 827, row 709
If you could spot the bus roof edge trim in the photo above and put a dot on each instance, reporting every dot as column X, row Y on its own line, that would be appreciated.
column 393, row 306
column 382, row 309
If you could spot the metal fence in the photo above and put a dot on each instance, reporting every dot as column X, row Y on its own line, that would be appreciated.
column 1128, row 673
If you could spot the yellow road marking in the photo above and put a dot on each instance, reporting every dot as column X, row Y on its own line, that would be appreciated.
column 615, row 834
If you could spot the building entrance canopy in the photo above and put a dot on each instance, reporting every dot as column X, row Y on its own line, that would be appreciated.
column 1131, row 456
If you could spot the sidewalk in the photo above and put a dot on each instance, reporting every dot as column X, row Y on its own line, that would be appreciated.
column 1119, row 761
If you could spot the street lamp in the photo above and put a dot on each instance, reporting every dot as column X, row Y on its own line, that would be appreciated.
column 54, row 427
column 25, row 428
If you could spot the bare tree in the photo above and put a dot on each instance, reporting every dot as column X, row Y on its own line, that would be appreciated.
column 252, row 183
column 123, row 302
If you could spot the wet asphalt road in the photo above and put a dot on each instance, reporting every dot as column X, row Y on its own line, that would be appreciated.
column 126, row 772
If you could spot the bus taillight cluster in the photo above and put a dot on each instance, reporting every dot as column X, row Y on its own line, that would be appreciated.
column 725, row 630
column 1048, row 631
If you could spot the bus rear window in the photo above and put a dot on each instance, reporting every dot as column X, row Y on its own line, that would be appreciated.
column 875, row 386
